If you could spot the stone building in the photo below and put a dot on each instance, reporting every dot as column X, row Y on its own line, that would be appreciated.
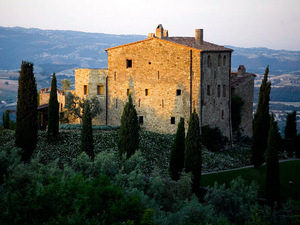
column 168, row 77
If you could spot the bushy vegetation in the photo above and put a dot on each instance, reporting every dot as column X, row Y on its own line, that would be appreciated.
column 213, row 139
column 62, row 185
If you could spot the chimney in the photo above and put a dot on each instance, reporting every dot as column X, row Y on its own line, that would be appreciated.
column 199, row 36
column 159, row 31
column 241, row 70
column 151, row 35
column 166, row 33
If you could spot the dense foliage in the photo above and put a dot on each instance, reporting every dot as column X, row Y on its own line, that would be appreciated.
column 53, row 111
column 290, row 130
column 61, row 185
column 87, row 142
column 193, row 151
column 237, row 104
column 273, row 173
column 129, row 131
column 6, row 119
column 212, row 138
column 66, row 84
column 261, row 122
column 177, row 151
column 26, row 127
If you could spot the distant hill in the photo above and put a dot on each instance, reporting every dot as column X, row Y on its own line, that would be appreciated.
column 58, row 50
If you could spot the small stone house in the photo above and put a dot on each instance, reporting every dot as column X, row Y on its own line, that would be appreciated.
column 168, row 78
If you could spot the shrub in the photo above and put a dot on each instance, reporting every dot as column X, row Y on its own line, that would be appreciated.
column 212, row 138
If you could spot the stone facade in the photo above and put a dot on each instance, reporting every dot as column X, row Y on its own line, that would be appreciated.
column 168, row 77
column 45, row 96
column 242, row 84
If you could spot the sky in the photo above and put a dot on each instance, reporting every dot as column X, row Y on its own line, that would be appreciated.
column 273, row 24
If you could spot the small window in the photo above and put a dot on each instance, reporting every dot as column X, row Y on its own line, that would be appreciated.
column 149, row 63
column 219, row 90
column 232, row 91
column 162, row 103
column 219, row 60
column 172, row 120
column 178, row 92
column 224, row 60
column 85, row 89
column 146, row 92
column 141, row 120
column 222, row 115
column 158, row 75
column 224, row 90
column 128, row 91
column 115, row 75
column 100, row 90
column 139, row 102
column 128, row 63
column 209, row 61
column 208, row 90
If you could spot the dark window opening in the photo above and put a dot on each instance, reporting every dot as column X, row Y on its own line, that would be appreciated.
column 172, row 120
column 222, row 114
column 224, row 90
column 178, row 92
column 162, row 103
column 219, row 90
column 141, row 120
column 232, row 91
column 208, row 90
column 224, row 60
column 115, row 75
column 139, row 102
column 128, row 63
column 85, row 89
column 219, row 60
column 158, row 75
column 146, row 92
column 149, row 63
column 209, row 61
column 128, row 91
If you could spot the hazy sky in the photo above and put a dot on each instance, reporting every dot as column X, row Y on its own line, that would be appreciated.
column 243, row 23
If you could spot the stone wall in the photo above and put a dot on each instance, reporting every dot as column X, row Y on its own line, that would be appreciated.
column 45, row 96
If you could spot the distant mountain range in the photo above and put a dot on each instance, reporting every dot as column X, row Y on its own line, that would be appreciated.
column 57, row 50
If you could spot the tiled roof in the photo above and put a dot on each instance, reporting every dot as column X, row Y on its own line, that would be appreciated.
column 238, row 79
column 190, row 42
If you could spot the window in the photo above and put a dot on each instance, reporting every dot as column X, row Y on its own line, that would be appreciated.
column 209, row 61
column 222, row 114
column 128, row 91
column 115, row 75
column 219, row 60
column 172, row 120
column 100, row 90
column 224, row 90
column 139, row 102
column 146, row 92
column 85, row 89
column 162, row 103
column 219, row 90
column 141, row 120
column 149, row 63
column 128, row 63
column 208, row 90
column 224, row 60
column 158, row 75
column 178, row 92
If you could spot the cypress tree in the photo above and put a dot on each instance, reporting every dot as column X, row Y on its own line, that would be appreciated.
column 261, row 122
column 26, row 128
column 177, row 151
column 290, row 130
column 129, row 130
column 6, row 119
column 193, row 151
column 87, row 142
column 53, row 111
column 273, row 171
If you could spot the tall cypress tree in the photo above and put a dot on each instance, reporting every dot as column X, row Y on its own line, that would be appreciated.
column 87, row 142
column 193, row 151
column 273, row 171
column 261, row 122
column 26, row 128
column 177, row 151
column 290, row 130
column 53, row 111
column 6, row 119
column 129, row 131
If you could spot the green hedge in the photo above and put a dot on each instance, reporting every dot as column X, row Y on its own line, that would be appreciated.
column 79, row 127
